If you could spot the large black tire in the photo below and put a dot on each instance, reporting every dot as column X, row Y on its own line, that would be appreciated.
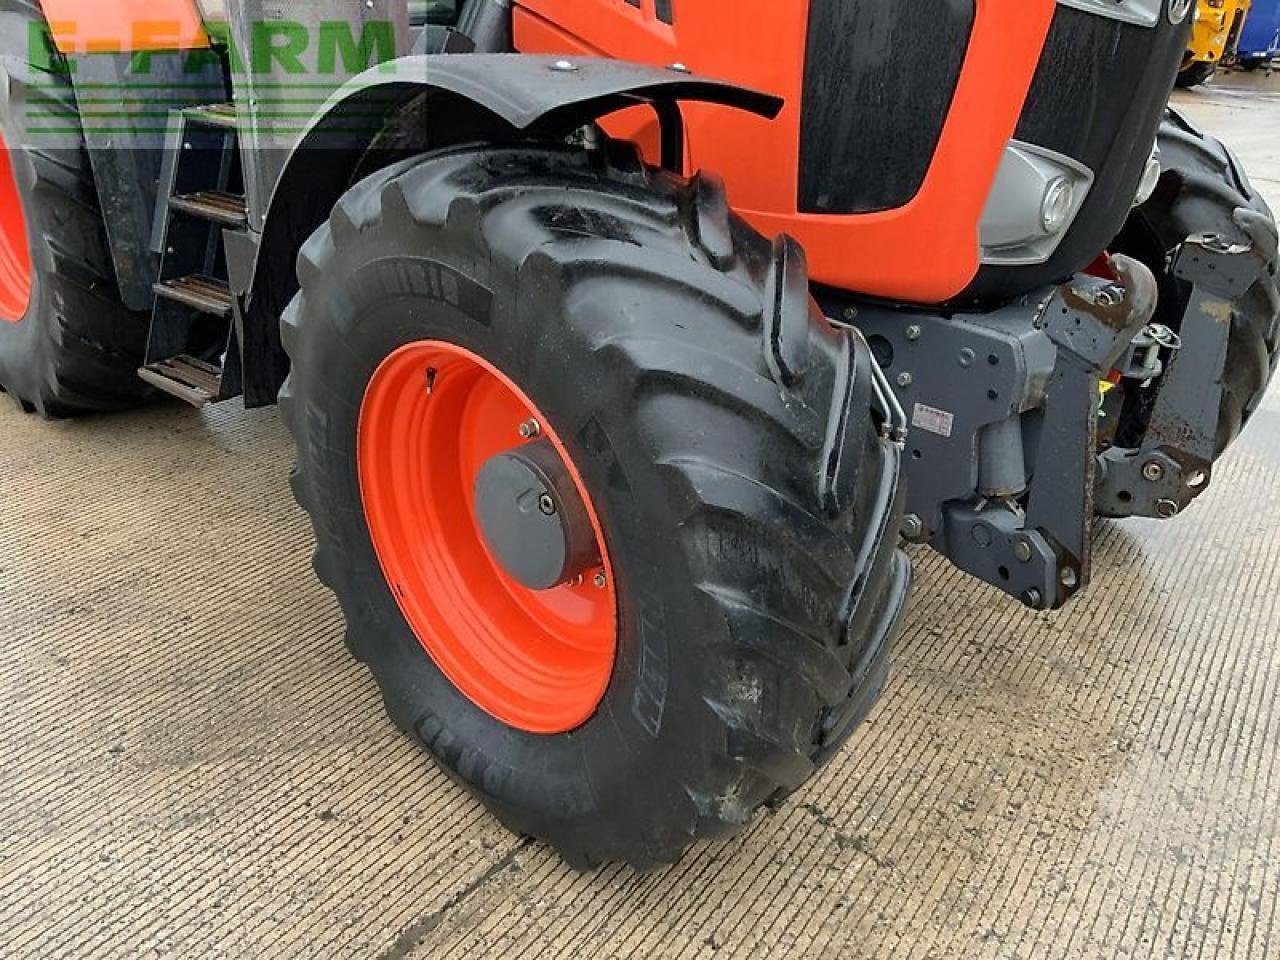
column 723, row 429
column 1203, row 189
column 77, row 349
column 1194, row 74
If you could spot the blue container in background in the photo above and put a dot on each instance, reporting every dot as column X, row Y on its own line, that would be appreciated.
column 1260, row 41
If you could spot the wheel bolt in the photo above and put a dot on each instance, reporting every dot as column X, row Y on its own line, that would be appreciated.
column 912, row 526
column 530, row 430
column 600, row 580
column 547, row 505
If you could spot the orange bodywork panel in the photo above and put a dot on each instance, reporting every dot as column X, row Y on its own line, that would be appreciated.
column 926, row 251
column 125, row 26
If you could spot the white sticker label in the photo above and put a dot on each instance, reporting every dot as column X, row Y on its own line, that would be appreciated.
column 934, row 420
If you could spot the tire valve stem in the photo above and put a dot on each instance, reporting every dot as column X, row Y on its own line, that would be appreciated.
column 530, row 430
column 431, row 380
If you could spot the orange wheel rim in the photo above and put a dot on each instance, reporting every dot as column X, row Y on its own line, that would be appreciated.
column 15, row 250
column 538, row 660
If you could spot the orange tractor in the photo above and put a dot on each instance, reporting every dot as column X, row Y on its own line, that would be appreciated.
column 624, row 342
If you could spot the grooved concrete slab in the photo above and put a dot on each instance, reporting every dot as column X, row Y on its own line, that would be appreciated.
column 191, row 766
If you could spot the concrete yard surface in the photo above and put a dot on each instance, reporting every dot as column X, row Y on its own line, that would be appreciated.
column 191, row 765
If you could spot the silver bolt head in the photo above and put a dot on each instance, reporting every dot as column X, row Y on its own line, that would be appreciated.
column 967, row 356
column 850, row 314
column 564, row 66
column 905, row 379
column 547, row 505
column 529, row 430
column 912, row 526
column 913, row 332
column 1153, row 470
column 1022, row 550
column 600, row 580
column 1166, row 509
column 679, row 68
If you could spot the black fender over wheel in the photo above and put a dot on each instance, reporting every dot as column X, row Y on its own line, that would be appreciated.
column 75, row 349
column 722, row 427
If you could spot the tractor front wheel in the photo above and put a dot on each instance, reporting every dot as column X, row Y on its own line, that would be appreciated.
column 601, row 494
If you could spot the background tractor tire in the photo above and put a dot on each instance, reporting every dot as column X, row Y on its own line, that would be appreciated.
column 722, row 428
column 1203, row 189
column 70, row 347
column 1195, row 74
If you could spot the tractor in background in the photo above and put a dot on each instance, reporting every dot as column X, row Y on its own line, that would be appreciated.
column 1215, row 39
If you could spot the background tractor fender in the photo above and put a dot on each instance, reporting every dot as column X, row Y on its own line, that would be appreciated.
column 405, row 107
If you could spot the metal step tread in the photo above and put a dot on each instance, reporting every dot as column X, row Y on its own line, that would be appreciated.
column 206, row 294
column 195, row 381
column 215, row 205
column 222, row 115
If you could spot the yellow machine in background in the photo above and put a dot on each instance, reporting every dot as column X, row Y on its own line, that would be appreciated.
column 1214, row 38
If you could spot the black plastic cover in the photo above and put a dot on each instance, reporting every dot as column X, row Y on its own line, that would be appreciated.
column 880, row 76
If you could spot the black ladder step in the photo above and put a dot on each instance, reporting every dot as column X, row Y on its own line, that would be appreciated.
column 214, row 205
column 220, row 115
column 206, row 294
column 186, row 378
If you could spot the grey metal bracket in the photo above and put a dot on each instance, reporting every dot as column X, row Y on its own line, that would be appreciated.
column 1003, row 415
column 955, row 377
column 991, row 541
column 1093, row 321
column 1174, row 464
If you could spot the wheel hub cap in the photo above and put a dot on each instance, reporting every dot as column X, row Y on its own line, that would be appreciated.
column 533, row 521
